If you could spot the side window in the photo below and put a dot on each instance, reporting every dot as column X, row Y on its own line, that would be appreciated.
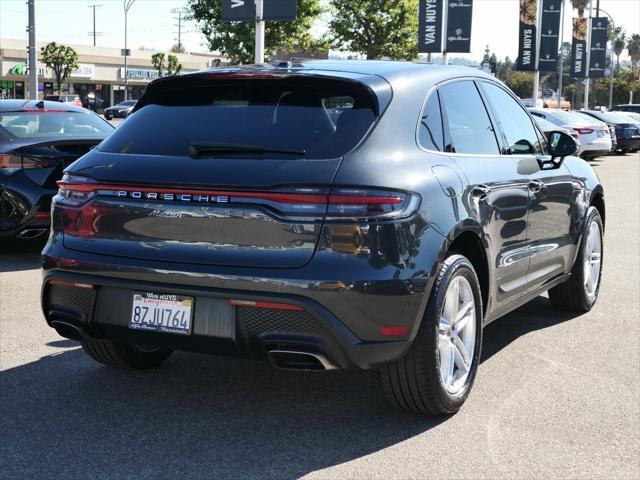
column 466, row 118
column 430, row 131
column 514, row 122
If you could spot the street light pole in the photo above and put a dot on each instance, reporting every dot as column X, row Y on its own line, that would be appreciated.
column 561, row 69
column 127, row 6
column 259, row 31
column 33, row 61
column 613, row 26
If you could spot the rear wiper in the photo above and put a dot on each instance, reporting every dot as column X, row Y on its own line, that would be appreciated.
column 199, row 150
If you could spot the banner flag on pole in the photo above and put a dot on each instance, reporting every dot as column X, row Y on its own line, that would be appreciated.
column 430, row 26
column 549, row 35
column 527, row 35
column 459, row 26
column 598, row 51
column 579, row 48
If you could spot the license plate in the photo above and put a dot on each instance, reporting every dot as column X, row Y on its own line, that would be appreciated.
column 161, row 312
column 600, row 133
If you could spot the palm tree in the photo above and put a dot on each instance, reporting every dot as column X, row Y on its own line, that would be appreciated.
column 580, row 5
column 618, row 40
column 633, row 47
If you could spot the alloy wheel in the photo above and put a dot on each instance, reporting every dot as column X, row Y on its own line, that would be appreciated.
column 456, row 335
column 592, row 260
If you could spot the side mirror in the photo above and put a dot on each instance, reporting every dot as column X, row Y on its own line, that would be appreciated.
column 561, row 145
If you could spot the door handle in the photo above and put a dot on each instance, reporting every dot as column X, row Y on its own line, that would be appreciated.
column 536, row 186
column 480, row 191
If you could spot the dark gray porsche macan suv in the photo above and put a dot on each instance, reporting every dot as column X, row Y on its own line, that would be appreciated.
column 322, row 215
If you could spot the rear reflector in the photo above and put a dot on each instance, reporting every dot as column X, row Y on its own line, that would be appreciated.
column 271, row 305
column 394, row 331
column 66, row 283
column 42, row 215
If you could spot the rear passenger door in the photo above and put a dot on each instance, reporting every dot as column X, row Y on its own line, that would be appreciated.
column 551, row 192
column 497, row 193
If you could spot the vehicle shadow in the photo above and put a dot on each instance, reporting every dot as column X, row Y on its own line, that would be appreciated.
column 535, row 315
column 20, row 255
column 201, row 416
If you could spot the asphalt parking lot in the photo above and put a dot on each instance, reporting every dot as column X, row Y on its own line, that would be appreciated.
column 557, row 395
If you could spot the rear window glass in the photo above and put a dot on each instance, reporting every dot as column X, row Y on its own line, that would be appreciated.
column 323, row 119
column 54, row 124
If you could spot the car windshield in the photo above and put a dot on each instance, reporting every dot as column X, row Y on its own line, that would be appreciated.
column 325, row 121
column 54, row 124
column 127, row 103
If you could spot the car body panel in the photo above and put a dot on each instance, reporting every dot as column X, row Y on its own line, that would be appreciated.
column 362, row 276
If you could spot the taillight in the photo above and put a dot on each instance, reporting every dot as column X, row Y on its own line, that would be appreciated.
column 294, row 204
column 20, row 162
column 583, row 131
column 365, row 204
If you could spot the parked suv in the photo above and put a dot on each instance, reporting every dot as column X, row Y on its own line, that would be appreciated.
column 234, row 214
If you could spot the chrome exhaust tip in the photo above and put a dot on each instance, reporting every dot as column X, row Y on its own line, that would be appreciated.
column 29, row 233
column 297, row 360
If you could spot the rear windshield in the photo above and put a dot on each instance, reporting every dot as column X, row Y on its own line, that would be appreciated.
column 322, row 119
column 54, row 124
column 570, row 117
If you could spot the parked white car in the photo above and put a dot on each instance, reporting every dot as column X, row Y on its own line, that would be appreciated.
column 595, row 136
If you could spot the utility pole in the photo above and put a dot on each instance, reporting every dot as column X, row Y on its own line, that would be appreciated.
column 179, row 19
column 94, row 33
column 33, row 61
column 536, row 74
column 127, row 6
column 259, row 55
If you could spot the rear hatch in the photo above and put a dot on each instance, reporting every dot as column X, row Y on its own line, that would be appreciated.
column 227, row 169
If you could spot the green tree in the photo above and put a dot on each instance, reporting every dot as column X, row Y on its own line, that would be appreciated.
column 172, row 66
column 618, row 40
column 376, row 28
column 157, row 60
column 520, row 82
column 61, row 59
column 633, row 47
column 235, row 40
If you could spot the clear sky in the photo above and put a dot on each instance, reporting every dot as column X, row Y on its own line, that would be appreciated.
column 151, row 23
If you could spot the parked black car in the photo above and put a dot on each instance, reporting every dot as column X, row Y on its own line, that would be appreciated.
column 628, row 107
column 121, row 110
column 38, row 139
column 230, row 215
column 627, row 131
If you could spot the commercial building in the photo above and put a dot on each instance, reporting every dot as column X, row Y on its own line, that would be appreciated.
column 99, row 81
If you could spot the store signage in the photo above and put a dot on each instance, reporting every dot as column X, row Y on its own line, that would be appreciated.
column 139, row 73
column 85, row 70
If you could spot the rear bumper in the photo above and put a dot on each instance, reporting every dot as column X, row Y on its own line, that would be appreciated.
column 24, row 207
column 354, row 311
column 628, row 143
column 218, row 327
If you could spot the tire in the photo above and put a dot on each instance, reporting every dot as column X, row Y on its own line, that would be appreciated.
column 124, row 355
column 575, row 295
column 415, row 383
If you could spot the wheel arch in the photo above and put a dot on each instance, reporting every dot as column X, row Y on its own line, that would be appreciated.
column 597, row 201
column 468, row 239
